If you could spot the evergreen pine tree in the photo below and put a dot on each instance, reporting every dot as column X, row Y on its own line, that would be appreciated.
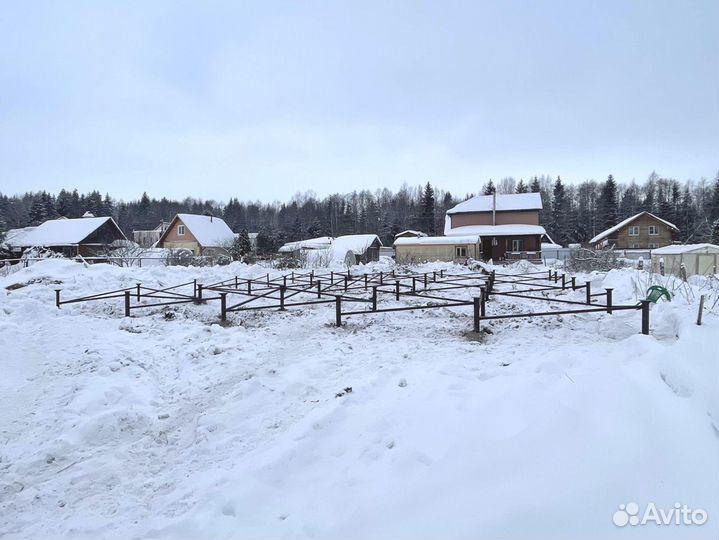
column 521, row 187
column 535, row 187
column 427, row 215
column 245, row 246
column 607, row 206
column 714, row 204
column 560, row 211
column 489, row 188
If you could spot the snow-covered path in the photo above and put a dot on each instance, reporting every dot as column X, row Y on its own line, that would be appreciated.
column 185, row 428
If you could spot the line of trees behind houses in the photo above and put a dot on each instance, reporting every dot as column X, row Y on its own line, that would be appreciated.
column 572, row 213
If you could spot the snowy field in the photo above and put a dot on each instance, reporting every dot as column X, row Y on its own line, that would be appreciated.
column 158, row 426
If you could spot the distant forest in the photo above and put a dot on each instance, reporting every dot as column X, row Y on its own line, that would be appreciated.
column 573, row 213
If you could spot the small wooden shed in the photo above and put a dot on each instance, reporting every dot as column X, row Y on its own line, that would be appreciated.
column 437, row 248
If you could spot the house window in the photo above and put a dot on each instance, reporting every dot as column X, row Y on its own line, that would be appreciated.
column 653, row 230
column 652, row 246
column 518, row 244
column 460, row 251
column 633, row 231
column 180, row 230
column 635, row 246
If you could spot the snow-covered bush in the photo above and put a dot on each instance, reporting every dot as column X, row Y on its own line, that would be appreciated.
column 224, row 260
column 125, row 253
column 588, row 260
column 178, row 257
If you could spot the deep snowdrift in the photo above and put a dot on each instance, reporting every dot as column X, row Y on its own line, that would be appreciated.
column 115, row 427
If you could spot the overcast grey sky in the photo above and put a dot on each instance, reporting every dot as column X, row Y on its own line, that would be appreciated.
column 262, row 99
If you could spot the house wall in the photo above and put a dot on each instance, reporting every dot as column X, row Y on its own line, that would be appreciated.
column 434, row 252
column 523, row 217
column 173, row 240
column 372, row 253
column 504, row 244
column 622, row 240
column 146, row 238
column 105, row 234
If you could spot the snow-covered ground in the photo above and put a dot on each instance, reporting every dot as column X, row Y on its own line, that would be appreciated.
column 180, row 427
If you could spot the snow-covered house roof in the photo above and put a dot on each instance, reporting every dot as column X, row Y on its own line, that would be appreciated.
column 15, row 238
column 209, row 231
column 680, row 249
column 322, row 242
column 410, row 232
column 438, row 240
column 492, row 230
column 604, row 234
column 504, row 203
column 63, row 232
column 356, row 243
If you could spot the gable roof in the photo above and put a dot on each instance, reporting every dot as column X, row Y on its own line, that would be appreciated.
column 438, row 240
column 63, row 232
column 16, row 237
column 209, row 231
column 356, row 243
column 602, row 235
column 505, row 202
column 496, row 230
column 410, row 232
column 322, row 242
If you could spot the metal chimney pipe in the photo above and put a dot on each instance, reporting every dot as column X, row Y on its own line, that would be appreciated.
column 494, row 207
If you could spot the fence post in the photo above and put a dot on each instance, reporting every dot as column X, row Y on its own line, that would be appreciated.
column 268, row 278
column 365, row 282
column 199, row 293
column 483, row 300
column 319, row 288
column 425, row 280
column 57, row 299
column 556, row 276
column 381, row 278
column 441, row 273
column 476, row 314
column 564, row 281
column 609, row 300
column 701, row 310
column 346, row 280
column 550, row 276
column 588, row 286
column 374, row 298
column 396, row 289
column 282, row 297
column 127, row 303
column 237, row 283
column 338, row 311
column 645, row 317
column 293, row 276
column 434, row 276
column 332, row 278
column 414, row 285
column 223, row 306
column 574, row 283
column 138, row 292
column 284, row 281
column 249, row 286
